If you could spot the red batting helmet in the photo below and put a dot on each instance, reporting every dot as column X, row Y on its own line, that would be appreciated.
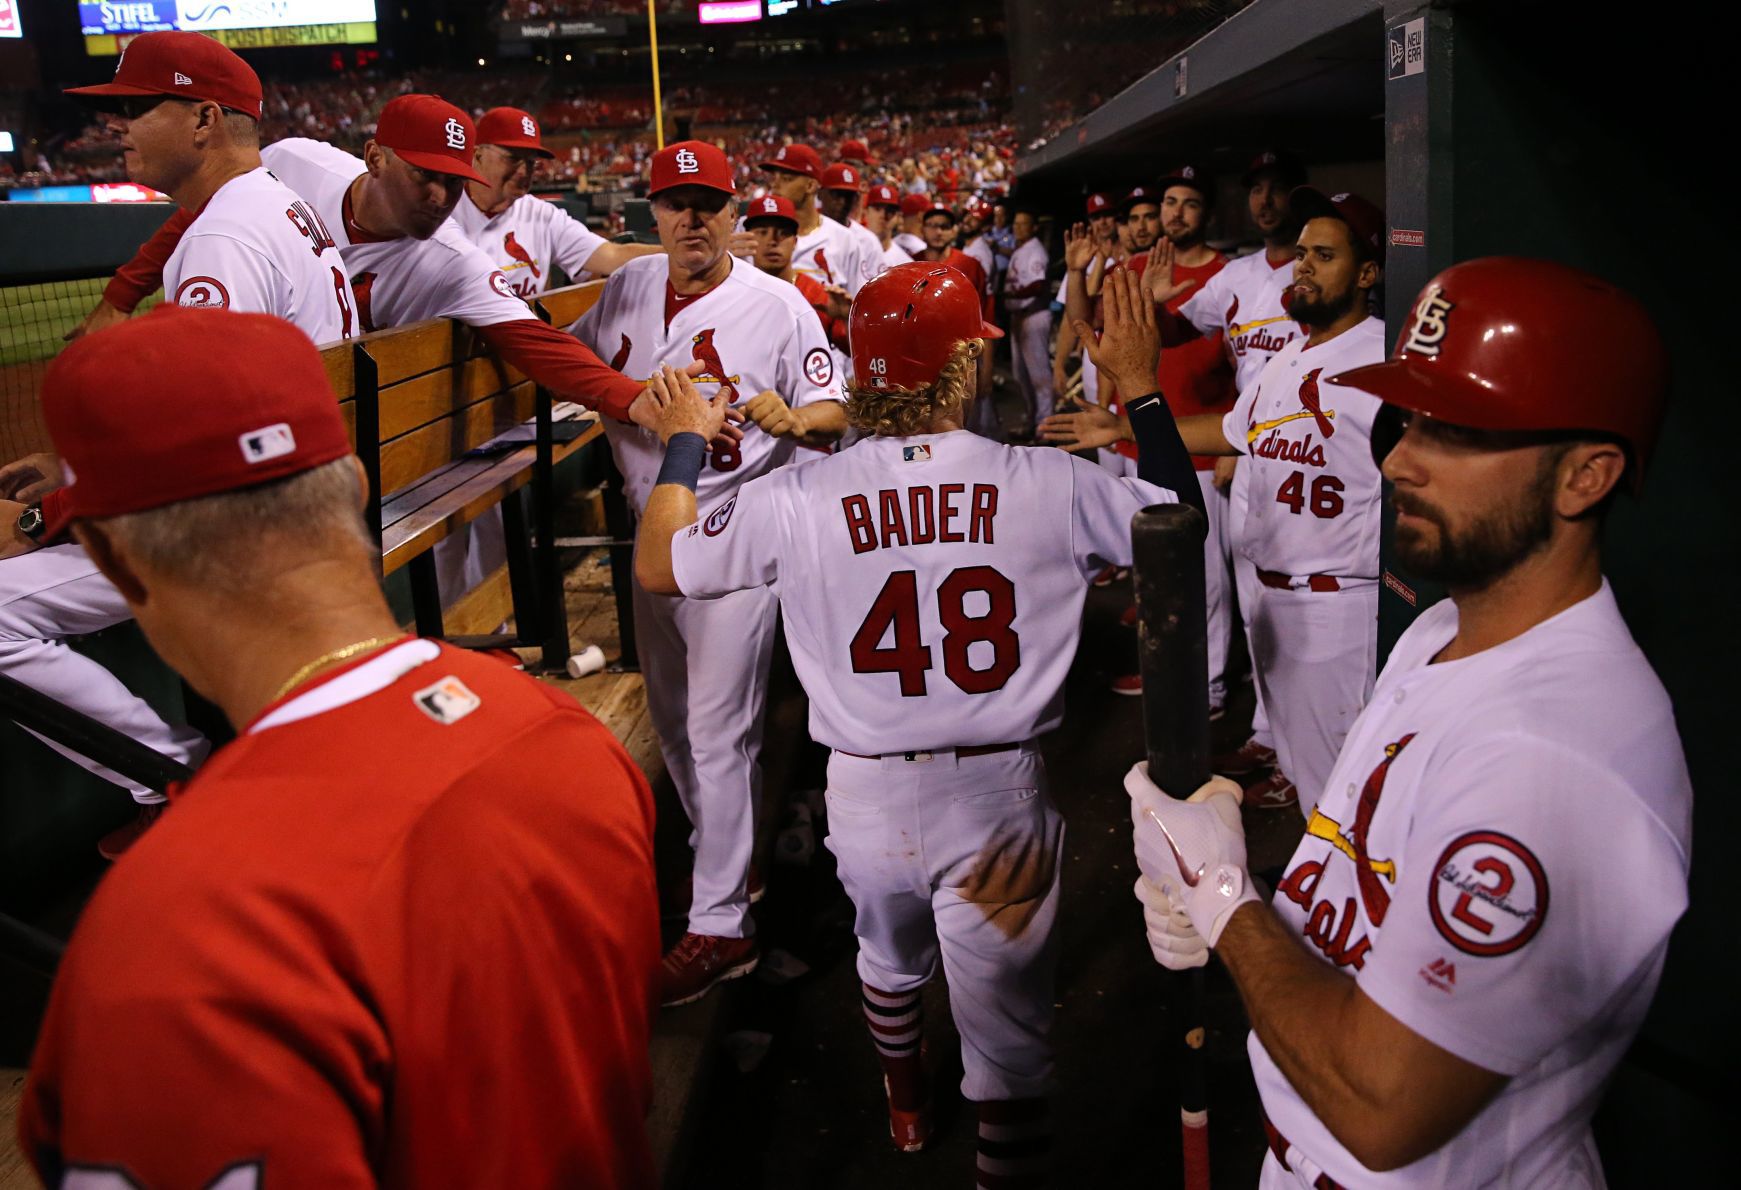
column 1509, row 343
column 905, row 323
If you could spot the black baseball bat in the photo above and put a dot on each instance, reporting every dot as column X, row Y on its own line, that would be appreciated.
column 1173, row 652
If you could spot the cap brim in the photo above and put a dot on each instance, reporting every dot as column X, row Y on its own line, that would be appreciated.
column 751, row 220
column 118, row 91
column 521, row 144
column 439, row 163
column 1427, row 388
column 988, row 331
column 657, row 190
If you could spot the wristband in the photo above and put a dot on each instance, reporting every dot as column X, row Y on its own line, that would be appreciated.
column 684, row 455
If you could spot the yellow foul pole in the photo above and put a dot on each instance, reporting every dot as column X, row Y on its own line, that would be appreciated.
column 658, row 103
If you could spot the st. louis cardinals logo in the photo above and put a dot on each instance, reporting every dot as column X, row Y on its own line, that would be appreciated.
column 455, row 133
column 1250, row 336
column 1373, row 894
column 622, row 355
column 527, row 126
column 522, row 258
column 688, row 162
column 1429, row 329
column 822, row 263
column 702, row 348
column 1311, row 405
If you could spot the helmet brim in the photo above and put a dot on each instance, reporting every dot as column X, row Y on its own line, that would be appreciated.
column 1429, row 389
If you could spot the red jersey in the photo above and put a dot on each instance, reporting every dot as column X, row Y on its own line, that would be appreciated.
column 1195, row 376
column 814, row 293
column 401, row 932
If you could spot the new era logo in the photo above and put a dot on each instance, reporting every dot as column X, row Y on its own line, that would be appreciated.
column 688, row 162
column 181, row 80
column 455, row 133
column 271, row 442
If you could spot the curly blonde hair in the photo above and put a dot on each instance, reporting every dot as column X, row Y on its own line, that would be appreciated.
column 900, row 412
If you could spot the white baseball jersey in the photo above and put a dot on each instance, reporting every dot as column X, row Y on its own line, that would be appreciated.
column 1497, row 861
column 932, row 586
column 870, row 251
column 527, row 238
column 1244, row 302
column 1027, row 265
column 909, row 243
column 400, row 280
column 258, row 248
column 753, row 332
column 1314, row 498
column 980, row 249
column 894, row 254
column 829, row 254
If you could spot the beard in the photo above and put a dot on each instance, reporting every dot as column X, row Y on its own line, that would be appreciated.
column 1488, row 548
column 1186, row 238
column 1316, row 313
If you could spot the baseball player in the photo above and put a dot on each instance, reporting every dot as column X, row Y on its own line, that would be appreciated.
column 707, row 663
column 774, row 224
column 1468, row 937
column 380, row 939
column 1103, row 226
column 913, row 208
column 1024, row 294
column 856, row 154
column 939, row 231
column 932, row 584
column 882, row 209
column 838, row 198
column 525, row 236
column 826, row 250
column 186, row 109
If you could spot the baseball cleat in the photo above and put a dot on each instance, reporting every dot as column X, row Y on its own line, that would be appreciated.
column 1248, row 758
column 1274, row 792
column 910, row 1130
column 699, row 961
column 1130, row 685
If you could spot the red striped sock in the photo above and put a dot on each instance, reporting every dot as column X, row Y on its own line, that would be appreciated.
column 1015, row 1144
column 897, row 1026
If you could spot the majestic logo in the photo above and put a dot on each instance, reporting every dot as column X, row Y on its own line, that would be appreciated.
column 1441, row 973
column 818, row 367
column 1429, row 328
column 455, row 133
column 181, row 80
column 622, row 355
column 702, row 348
column 448, row 701
column 527, row 126
column 1489, row 894
column 267, row 443
column 523, row 259
column 688, row 162
column 206, row 293
column 1311, row 405
column 719, row 518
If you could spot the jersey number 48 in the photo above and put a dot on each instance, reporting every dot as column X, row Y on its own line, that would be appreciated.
column 895, row 613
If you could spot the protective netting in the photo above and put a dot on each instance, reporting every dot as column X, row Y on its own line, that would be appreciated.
column 1066, row 57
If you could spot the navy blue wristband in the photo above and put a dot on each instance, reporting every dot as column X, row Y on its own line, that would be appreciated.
column 684, row 455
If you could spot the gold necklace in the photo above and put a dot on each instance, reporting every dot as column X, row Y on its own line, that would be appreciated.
column 340, row 654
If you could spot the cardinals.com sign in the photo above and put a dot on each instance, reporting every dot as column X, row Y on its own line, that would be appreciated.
column 10, row 25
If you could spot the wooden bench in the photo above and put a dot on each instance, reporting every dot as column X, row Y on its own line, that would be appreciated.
column 419, row 400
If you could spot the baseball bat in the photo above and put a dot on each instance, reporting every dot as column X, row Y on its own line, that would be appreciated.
column 1173, row 651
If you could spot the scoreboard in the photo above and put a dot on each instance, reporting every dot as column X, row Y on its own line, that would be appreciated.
column 241, row 24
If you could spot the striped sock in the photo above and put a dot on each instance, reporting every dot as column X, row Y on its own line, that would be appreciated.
column 1015, row 1144
column 897, row 1025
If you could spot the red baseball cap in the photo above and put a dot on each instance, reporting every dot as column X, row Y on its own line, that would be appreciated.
column 1364, row 220
column 511, row 128
column 934, row 207
column 915, row 204
column 770, row 206
column 186, row 402
column 856, row 150
column 1148, row 194
column 1098, row 204
column 691, row 163
column 1289, row 169
column 882, row 196
column 797, row 159
column 430, row 133
column 183, row 65
column 1187, row 175
column 841, row 176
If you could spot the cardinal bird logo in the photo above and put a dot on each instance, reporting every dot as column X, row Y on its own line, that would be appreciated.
column 622, row 355
column 822, row 263
column 1367, row 871
column 512, row 247
column 1309, row 401
column 704, row 351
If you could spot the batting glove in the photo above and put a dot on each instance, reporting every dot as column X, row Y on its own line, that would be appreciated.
column 1173, row 940
column 1192, row 850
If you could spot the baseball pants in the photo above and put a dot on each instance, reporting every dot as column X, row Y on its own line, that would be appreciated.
column 1031, row 360
column 1316, row 656
column 957, row 859
column 706, row 668
column 56, row 592
column 1245, row 584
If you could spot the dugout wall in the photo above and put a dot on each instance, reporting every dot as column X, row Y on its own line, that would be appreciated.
column 1529, row 128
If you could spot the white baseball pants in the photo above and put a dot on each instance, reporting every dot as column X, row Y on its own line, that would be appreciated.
column 1316, row 656
column 706, row 667
column 958, row 859
column 1031, row 360
column 56, row 592
column 1246, row 584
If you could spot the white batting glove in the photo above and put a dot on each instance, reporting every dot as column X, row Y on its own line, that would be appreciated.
column 1173, row 940
column 1193, row 850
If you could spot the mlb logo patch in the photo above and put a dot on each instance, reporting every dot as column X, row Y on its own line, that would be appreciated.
column 270, row 442
column 916, row 454
column 448, row 701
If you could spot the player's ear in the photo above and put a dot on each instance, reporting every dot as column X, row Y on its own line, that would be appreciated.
column 110, row 560
column 362, row 478
column 375, row 157
column 1587, row 473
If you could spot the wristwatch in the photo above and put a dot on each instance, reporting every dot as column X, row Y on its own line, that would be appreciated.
column 30, row 522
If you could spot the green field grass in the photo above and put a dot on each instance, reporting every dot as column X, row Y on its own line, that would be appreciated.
column 33, row 318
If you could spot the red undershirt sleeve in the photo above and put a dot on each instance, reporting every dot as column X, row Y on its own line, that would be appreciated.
column 139, row 278
column 563, row 364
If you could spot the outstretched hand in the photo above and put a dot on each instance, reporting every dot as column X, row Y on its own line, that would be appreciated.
column 680, row 407
column 1129, row 346
column 1092, row 426
column 1158, row 277
column 1081, row 249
